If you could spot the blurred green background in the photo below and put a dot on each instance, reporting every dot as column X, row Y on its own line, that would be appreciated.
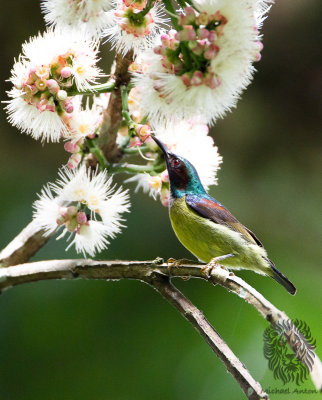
column 121, row 340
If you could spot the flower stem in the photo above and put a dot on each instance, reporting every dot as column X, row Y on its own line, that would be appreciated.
column 172, row 12
column 136, row 150
column 154, row 169
column 125, row 111
column 94, row 149
column 146, row 9
column 102, row 88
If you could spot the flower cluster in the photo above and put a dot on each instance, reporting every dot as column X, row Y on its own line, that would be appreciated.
column 89, row 15
column 51, row 65
column 201, row 69
column 130, row 27
column 188, row 52
column 85, row 204
column 183, row 79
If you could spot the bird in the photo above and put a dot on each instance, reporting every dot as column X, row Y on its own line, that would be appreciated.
column 207, row 229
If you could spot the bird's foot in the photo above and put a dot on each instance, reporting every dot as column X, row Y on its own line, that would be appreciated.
column 173, row 263
column 214, row 263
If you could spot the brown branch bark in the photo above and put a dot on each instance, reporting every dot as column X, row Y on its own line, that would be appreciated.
column 143, row 270
column 113, row 114
column 251, row 388
column 23, row 246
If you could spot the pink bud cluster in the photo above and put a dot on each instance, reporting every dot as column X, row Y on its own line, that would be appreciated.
column 75, row 149
column 131, row 22
column 198, row 38
column 45, row 87
column 143, row 133
column 72, row 218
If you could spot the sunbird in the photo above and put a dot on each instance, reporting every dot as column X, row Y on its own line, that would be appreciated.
column 207, row 229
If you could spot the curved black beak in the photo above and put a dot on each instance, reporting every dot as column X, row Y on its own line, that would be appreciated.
column 162, row 146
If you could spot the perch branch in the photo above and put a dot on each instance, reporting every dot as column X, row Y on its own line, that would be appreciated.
column 142, row 270
column 23, row 246
column 252, row 389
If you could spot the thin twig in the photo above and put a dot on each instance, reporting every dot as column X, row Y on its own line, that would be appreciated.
column 142, row 270
column 252, row 389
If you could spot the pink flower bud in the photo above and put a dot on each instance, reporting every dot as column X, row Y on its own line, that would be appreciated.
column 66, row 72
column 203, row 33
column 71, row 147
column 52, row 86
column 134, row 142
column 61, row 95
column 74, row 160
column 50, row 107
column 165, row 40
column 81, row 218
column 41, row 106
column 68, row 105
column 211, row 51
column 260, row 45
column 188, row 33
column 212, row 81
column 212, row 36
column 186, row 79
column 188, row 17
column 63, row 211
column 197, row 78
column 258, row 57
column 165, row 176
column 143, row 132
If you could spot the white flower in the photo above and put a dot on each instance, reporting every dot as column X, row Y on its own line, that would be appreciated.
column 83, row 203
column 89, row 15
column 45, row 125
column 126, row 35
column 91, row 238
column 226, row 45
column 84, row 122
column 50, row 65
column 61, row 48
column 190, row 140
column 143, row 182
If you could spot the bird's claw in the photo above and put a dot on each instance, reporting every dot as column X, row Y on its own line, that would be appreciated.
column 173, row 263
column 213, row 263
column 207, row 269
column 177, row 263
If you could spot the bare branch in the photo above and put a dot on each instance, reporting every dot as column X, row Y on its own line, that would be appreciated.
column 23, row 246
column 143, row 270
column 252, row 389
column 113, row 114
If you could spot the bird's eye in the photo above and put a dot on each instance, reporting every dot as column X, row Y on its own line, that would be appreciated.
column 175, row 162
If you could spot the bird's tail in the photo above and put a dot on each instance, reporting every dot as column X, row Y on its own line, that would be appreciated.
column 281, row 279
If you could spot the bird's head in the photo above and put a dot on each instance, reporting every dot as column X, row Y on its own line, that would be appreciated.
column 183, row 177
